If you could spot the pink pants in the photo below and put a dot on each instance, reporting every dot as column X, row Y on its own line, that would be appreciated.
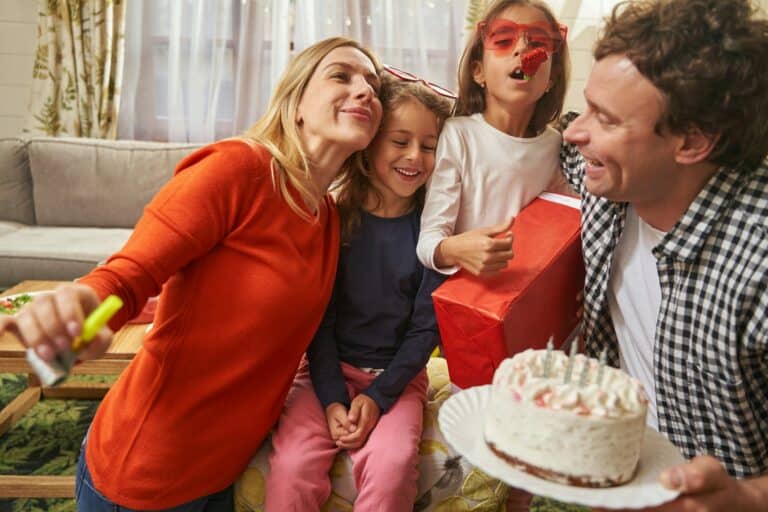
column 385, row 467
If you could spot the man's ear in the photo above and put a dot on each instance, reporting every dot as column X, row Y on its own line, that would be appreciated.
column 695, row 146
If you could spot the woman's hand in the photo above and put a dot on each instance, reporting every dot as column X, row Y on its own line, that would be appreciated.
column 705, row 486
column 363, row 415
column 51, row 322
column 478, row 251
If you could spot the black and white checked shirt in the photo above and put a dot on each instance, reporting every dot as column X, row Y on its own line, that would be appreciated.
column 711, row 344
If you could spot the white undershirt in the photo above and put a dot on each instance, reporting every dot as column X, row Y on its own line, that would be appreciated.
column 634, row 297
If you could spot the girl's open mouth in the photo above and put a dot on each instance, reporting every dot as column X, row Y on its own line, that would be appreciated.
column 410, row 173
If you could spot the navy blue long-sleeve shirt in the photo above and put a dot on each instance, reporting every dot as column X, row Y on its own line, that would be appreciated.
column 380, row 314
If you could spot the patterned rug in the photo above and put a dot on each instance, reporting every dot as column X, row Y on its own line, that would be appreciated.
column 47, row 442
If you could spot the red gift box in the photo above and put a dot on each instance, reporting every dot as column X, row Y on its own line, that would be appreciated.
column 483, row 320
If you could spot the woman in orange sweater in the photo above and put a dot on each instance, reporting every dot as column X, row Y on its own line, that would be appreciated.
column 244, row 242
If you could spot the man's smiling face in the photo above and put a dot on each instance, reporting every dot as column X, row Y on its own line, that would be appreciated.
column 627, row 158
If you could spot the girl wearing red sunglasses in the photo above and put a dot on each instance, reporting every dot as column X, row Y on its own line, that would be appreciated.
column 498, row 152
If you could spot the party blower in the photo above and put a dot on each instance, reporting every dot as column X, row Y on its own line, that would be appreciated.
column 55, row 372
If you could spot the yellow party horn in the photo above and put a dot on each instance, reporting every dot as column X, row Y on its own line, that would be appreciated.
column 96, row 320
column 52, row 373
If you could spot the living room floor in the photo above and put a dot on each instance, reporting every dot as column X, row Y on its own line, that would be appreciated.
column 47, row 441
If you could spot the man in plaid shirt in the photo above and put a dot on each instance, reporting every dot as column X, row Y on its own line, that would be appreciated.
column 669, row 157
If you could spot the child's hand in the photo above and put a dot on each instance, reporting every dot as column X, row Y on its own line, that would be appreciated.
column 338, row 424
column 363, row 414
column 478, row 251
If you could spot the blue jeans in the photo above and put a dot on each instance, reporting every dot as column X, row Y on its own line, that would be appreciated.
column 91, row 500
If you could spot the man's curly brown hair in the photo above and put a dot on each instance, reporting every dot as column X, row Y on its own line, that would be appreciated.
column 709, row 58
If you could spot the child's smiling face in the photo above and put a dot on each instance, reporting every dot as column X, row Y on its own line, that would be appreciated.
column 402, row 155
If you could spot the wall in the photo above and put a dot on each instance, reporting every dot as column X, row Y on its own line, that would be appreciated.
column 584, row 18
column 17, row 46
column 18, row 22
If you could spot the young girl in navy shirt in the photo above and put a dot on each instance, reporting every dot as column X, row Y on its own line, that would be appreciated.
column 362, row 387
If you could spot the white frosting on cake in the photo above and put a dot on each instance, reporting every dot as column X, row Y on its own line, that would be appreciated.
column 588, row 430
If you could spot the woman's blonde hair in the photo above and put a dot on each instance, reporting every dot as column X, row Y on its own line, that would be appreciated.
column 278, row 132
column 353, row 190
column 472, row 97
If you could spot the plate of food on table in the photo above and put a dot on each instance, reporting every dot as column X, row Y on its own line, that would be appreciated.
column 12, row 304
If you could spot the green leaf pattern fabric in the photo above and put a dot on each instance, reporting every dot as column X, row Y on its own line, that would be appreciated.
column 475, row 10
column 78, row 68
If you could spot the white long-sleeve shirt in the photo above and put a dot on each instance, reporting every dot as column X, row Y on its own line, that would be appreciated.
column 482, row 177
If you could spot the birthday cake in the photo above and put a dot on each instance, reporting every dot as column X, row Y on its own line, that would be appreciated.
column 571, row 420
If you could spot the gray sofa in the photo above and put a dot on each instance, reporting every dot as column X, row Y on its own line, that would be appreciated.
column 66, row 204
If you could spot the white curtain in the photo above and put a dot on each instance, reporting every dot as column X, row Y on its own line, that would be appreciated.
column 425, row 37
column 200, row 70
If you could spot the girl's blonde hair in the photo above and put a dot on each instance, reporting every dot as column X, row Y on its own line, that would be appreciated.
column 472, row 97
column 278, row 132
column 353, row 190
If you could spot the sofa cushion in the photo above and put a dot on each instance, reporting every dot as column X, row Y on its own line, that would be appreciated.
column 94, row 182
column 8, row 227
column 34, row 252
column 15, row 182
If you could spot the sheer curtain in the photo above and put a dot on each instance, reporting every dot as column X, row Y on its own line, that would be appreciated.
column 425, row 37
column 197, row 70
column 201, row 70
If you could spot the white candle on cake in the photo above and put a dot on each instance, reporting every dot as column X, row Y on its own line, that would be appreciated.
column 571, row 360
column 601, row 371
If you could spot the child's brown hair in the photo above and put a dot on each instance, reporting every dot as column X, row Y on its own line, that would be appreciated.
column 352, row 192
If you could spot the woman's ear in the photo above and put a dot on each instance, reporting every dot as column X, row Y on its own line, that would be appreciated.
column 695, row 146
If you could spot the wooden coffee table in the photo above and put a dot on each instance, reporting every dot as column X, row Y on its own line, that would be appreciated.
column 126, row 343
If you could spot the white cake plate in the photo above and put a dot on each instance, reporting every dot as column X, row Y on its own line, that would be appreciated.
column 461, row 421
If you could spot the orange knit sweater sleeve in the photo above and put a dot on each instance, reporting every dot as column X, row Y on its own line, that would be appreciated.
column 193, row 212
